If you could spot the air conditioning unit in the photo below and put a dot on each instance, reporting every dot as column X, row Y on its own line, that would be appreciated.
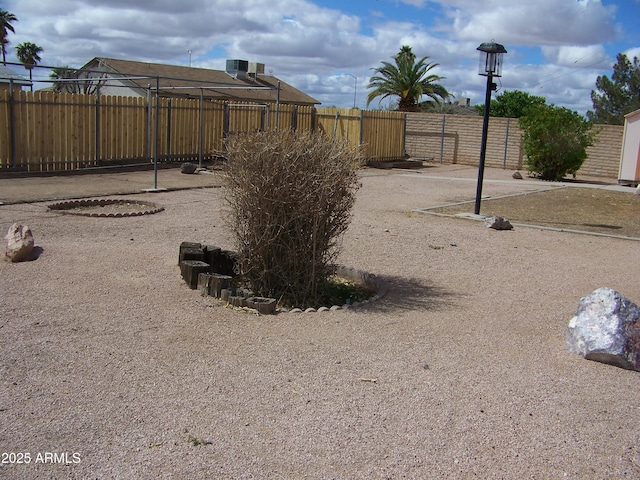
column 237, row 68
column 256, row 68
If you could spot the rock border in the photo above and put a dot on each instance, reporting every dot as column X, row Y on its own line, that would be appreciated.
column 66, row 206
column 358, row 276
column 210, row 269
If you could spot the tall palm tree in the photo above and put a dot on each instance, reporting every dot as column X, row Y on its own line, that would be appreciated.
column 406, row 79
column 5, row 27
column 29, row 54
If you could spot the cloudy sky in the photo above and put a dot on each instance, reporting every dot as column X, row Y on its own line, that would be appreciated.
column 327, row 48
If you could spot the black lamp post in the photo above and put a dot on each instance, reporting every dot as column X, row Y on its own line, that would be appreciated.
column 490, row 66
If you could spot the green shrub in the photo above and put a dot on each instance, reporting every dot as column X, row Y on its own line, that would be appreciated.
column 555, row 141
column 290, row 198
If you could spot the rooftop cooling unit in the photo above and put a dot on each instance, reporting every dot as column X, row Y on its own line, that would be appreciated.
column 237, row 68
column 256, row 68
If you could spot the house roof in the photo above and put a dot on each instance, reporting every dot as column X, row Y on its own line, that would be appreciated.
column 182, row 81
column 632, row 114
column 6, row 74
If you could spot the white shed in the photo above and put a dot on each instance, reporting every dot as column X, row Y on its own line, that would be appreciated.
column 630, row 159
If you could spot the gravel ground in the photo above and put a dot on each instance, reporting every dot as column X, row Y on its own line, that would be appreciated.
column 110, row 367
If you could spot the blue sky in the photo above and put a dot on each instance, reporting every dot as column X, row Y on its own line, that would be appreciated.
column 556, row 48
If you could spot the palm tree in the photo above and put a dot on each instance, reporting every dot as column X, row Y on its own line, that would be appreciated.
column 407, row 79
column 5, row 27
column 29, row 54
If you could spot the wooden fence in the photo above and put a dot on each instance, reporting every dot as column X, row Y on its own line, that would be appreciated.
column 48, row 131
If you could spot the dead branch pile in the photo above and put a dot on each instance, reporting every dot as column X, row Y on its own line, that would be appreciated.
column 290, row 198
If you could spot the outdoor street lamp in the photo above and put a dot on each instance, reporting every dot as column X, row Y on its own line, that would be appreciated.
column 490, row 66
column 355, row 87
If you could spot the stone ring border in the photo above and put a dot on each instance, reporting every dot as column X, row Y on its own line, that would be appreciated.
column 372, row 281
column 66, row 206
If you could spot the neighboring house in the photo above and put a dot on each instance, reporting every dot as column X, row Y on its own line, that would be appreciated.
column 9, row 77
column 241, row 82
column 629, row 172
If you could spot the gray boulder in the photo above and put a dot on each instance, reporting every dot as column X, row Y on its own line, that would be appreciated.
column 20, row 243
column 498, row 223
column 188, row 168
column 606, row 328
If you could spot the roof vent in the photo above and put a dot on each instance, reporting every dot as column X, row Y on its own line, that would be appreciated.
column 237, row 68
column 256, row 68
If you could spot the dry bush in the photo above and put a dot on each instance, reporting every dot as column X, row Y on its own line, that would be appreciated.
column 290, row 198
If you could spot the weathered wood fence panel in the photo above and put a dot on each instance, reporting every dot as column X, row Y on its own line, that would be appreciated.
column 49, row 131
column 383, row 133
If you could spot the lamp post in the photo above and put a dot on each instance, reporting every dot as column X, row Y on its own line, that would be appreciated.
column 355, row 87
column 490, row 66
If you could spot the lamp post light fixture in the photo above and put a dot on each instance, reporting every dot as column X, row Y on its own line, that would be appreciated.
column 490, row 66
column 355, row 87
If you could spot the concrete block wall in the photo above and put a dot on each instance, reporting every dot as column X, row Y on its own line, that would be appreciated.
column 604, row 154
column 457, row 138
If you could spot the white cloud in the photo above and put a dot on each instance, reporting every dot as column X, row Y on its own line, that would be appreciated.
column 579, row 57
column 311, row 46
column 536, row 22
column 632, row 52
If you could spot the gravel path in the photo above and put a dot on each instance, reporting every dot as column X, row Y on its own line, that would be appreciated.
column 459, row 372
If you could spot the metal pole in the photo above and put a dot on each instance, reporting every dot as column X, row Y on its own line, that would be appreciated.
column 97, row 132
column 200, row 127
column 483, row 147
column 278, row 107
column 12, row 126
column 156, row 136
column 149, row 121
column 169, row 129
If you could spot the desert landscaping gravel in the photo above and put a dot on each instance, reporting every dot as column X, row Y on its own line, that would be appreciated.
column 110, row 367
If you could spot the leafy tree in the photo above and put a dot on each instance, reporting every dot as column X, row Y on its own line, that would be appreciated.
column 511, row 104
column 77, row 81
column 616, row 96
column 5, row 27
column 406, row 79
column 555, row 141
column 29, row 54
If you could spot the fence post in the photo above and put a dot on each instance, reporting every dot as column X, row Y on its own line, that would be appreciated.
column 225, row 121
column 277, row 107
column 97, row 132
column 200, row 128
column 148, row 155
column 444, row 119
column 169, row 129
column 404, row 135
column 361, row 133
column 12, row 127
column 156, row 138
column 506, row 145
column 294, row 118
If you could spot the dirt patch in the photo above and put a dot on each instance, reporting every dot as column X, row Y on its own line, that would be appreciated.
column 573, row 208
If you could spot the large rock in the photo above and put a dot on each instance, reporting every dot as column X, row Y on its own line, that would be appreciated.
column 606, row 328
column 188, row 167
column 498, row 223
column 20, row 243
